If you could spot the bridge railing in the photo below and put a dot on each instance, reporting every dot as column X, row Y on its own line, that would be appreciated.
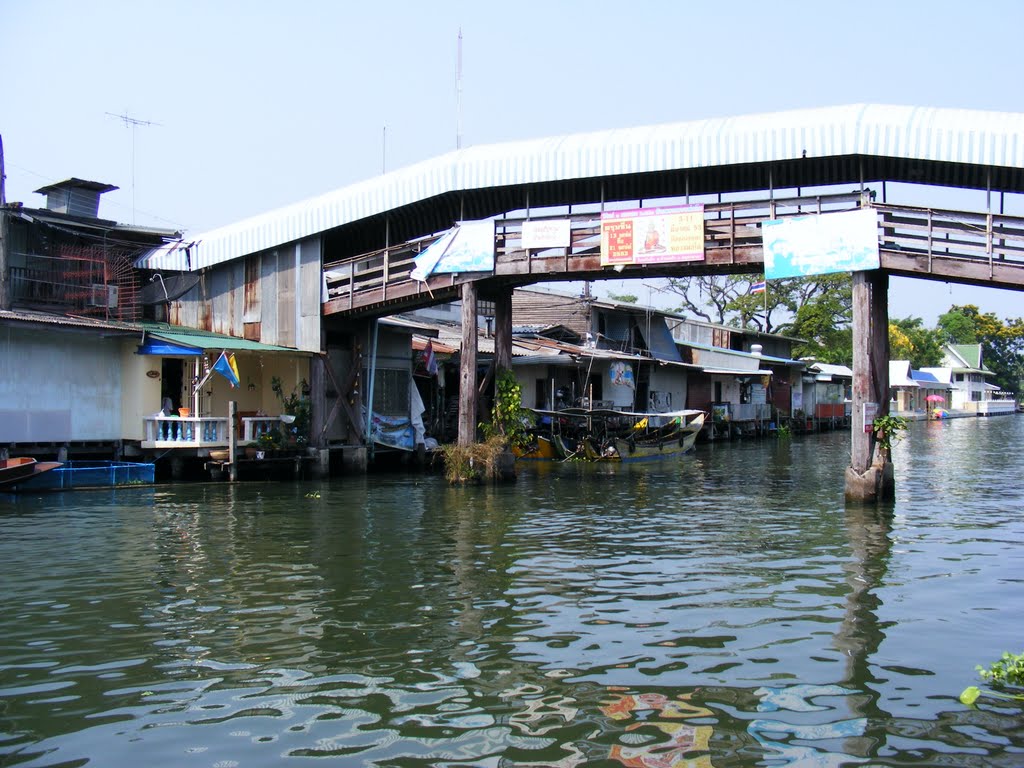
column 931, row 232
column 729, row 226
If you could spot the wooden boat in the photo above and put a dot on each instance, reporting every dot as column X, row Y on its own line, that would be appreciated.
column 657, row 445
column 86, row 474
column 22, row 468
column 542, row 448
column 607, row 435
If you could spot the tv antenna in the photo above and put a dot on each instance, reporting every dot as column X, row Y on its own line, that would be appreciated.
column 133, row 123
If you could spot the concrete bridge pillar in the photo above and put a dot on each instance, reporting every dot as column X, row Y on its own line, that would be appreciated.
column 869, row 477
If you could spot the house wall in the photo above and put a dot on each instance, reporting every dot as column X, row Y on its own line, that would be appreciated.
column 532, row 394
column 709, row 358
column 542, row 309
column 730, row 389
column 971, row 389
column 140, row 393
column 393, row 371
column 271, row 297
column 699, row 391
column 702, row 389
column 63, row 386
column 667, row 391
column 619, row 385
column 614, row 327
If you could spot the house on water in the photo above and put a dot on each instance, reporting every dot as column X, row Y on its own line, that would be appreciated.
column 92, row 367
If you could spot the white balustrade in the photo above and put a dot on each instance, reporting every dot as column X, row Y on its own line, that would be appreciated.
column 184, row 432
column 254, row 427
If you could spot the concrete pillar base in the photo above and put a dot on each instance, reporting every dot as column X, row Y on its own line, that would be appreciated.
column 505, row 467
column 877, row 484
column 321, row 464
column 177, row 468
column 354, row 458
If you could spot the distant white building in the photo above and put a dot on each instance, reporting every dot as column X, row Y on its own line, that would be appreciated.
column 964, row 371
column 915, row 393
column 963, row 368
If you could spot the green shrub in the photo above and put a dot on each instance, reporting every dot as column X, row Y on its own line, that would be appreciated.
column 474, row 463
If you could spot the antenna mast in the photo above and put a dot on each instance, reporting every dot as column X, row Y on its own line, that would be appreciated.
column 133, row 123
column 458, row 96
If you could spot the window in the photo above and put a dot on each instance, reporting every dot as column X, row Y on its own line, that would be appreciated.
column 391, row 392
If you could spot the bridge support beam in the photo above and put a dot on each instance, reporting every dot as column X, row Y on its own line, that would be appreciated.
column 467, row 367
column 869, row 477
column 503, row 331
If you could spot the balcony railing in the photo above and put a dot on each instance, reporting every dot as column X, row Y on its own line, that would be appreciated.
column 184, row 432
column 203, row 431
column 254, row 427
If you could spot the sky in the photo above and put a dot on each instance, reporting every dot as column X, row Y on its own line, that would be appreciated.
column 205, row 113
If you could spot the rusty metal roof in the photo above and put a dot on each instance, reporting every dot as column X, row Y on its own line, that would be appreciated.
column 810, row 147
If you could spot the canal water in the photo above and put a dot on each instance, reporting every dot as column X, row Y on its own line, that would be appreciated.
column 726, row 610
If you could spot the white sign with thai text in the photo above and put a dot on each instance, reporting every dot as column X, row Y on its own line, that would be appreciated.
column 547, row 233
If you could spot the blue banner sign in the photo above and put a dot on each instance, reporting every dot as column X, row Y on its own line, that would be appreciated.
column 799, row 246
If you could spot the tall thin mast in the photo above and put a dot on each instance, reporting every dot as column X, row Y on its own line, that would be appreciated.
column 458, row 95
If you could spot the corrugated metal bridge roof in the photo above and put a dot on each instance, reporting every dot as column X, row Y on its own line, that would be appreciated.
column 815, row 147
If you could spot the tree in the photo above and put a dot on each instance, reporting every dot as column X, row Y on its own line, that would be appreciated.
column 823, row 317
column 910, row 340
column 958, row 326
column 727, row 299
column 624, row 298
column 1002, row 343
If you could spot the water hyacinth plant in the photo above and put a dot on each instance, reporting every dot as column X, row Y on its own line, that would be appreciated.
column 1007, row 673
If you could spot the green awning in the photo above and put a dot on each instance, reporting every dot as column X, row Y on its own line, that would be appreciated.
column 205, row 340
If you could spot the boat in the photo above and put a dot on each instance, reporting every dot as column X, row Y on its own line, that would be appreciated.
column 87, row 474
column 577, row 434
column 540, row 448
column 672, row 440
column 22, row 468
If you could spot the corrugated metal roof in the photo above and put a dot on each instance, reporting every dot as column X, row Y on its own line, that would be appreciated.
column 900, row 132
column 827, row 370
column 175, row 333
column 900, row 374
column 923, row 377
column 46, row 318
column 942, row 375
column 209, row 340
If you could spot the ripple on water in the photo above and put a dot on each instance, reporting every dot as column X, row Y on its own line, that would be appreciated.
column 729, row 607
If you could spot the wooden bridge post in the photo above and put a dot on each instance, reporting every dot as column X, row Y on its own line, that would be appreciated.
column 467, row 367
column 503, row 331
column 869, row 476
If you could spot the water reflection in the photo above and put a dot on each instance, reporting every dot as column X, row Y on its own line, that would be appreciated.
column 728, row 610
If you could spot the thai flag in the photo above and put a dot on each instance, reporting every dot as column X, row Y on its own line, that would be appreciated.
column 758, row 287
column 429, row 361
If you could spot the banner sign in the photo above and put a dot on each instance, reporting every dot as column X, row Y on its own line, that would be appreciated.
column 820, row 244
column 652, row 235
column 469, row 247
column 548, row 233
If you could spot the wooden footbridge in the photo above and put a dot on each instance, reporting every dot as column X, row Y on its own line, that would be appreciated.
column 953, row 246
column 743, row 171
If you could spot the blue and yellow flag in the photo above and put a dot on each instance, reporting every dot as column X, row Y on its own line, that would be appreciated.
column 227, row 368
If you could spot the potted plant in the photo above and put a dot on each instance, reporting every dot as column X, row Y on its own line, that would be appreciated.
column 297, row 408
column 269, row 441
